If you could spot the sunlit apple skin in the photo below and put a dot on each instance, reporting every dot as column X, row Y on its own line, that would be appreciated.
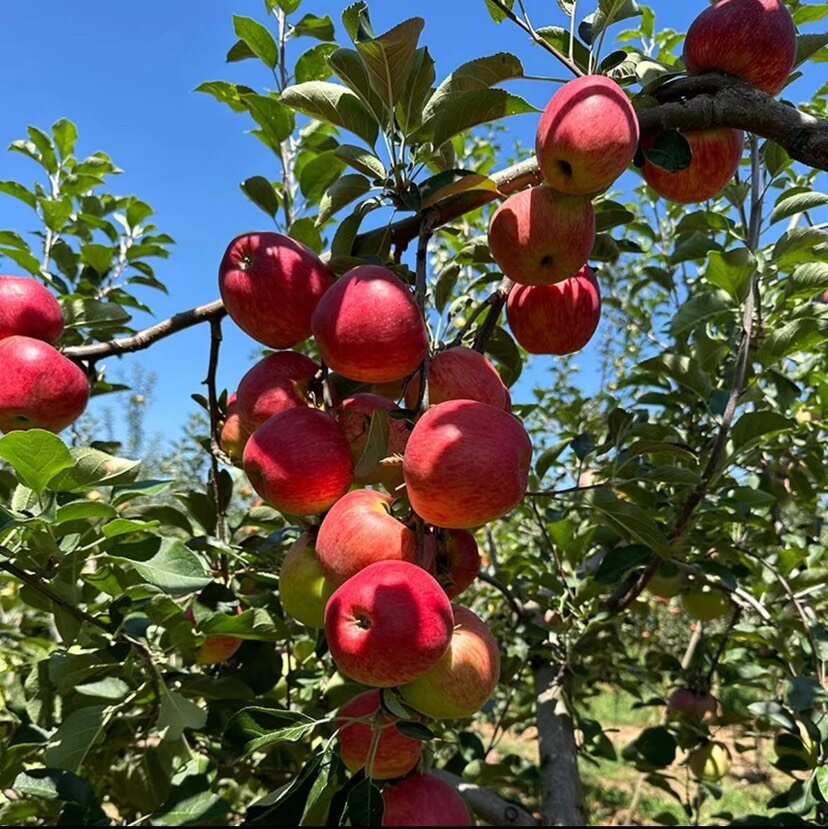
column 368, row 327
column 396, row 755
column 705, row 604
column 424, row 800
column 466, row 463
column 694, row 706
column 39, row 387
column 456, row 561
column 270, row 285
column 299, row 461
column 755, row 40
column 587, row 136
column 354, row 416
column 460, row 684
column 460, row 373
column 29, row 309
column 217, row 649
column 388, row 624
column 303, row 588
column 539, row 236
column 710, row 762
column 275, row 384
column 233, row 436
column 556, row 319
column 716, row 157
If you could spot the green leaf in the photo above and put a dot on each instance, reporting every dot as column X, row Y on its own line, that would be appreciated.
column 37, row 456
column 318, row 174
column 452, row 183
column 98, row 257
column 239, row 51
column 357, row 22
column 76, row 735
column 609, row 12
column 418, row 90
column 810, row 278
column 799, row 246
column 670, row 151
column 304, row 230
column 322, row 28
column 93, row 468
column 192, row 803
column 810, row 14
column 731, row 271
column 275, row 119
column 751, row 427
column 84, row 511
column 18, row 191
column 314, row 64
column 110, row 688
column 365, row 805
column 291, row 734
column 684, row 370
column 66, row 137
column 333, row 104
column 260, row 191
column 807, row 46
column 799, row 201
column 176, row 713
column 226, row 93
column 631, row 521
column 174, row 568
column 376, row 445
column 255, row 624
column 56, row 212
column 795, row 336
column 127, row 526
column 497, row 14
column 348, row 66
column 619, row 561
column 415, row 730
column 776, row 158
column 698, row 311
column 654, row 748
column 503, row 349
column 559, row 37
column 258, row 39
column 361, row 159
column 343, row 191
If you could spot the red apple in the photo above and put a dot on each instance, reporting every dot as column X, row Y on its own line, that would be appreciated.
column 303, row 588
column 556, row 319
column 424, row 800
column 388, row 624
column 39, row 387
column 694, row 706
column 459, row 374
column 299, row 461
column 358, row 530
column 587, row 136
column 466, row 463
column 270, row 285
column 539, row 236
column 456, row 561
column 233, row 437
column 716, row 157
column 27, row 308
column 278, row 382
column 396, row 755
column 460, row 684
column 215, row 649
column 368, row 328
column 755, row 40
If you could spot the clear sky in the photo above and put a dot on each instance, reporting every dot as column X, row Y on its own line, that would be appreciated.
column 125, row 73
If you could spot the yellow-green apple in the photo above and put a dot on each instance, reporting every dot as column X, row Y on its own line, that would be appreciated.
column 368, row 327
column 456, row 561
column 466, row 463
column 692, row 705
column 424, row 800
column 270, row 285
column 716, row 154
column 27, row 308
column 359, row 530
column 705, row 603
column 555, row 319
column 667, row 581
column 587, row 136
column 276, row 383
column 460, row 684
column 388, row 624
column 539, row 236
column 299, row 461
column 710, row 762
column 395, row 754
column 354, row 416
column 39, row 387
column 459, row 373
column 233, row 437
column 755, row 40
column 303, row 588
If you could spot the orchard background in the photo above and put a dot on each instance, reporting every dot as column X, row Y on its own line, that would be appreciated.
column 685, row 454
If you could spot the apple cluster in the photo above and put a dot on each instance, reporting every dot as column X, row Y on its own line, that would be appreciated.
column 39, row 387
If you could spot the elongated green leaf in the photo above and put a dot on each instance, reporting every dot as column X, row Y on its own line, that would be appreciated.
column 292, row 733
column 362, row 160
column 418, row 90
column 810, row 278
column 176, row 714
column 753, row 426
column 333, row 104
column 261, row 192
column 789, row 204
column 808, row 46
column 731, row 270
column 226, row 93
column 255, row 624
column 275, row 119
column 631, row 521
column 559, row 37
column 348, row 66
column 37, row 456
column 699, row 310
column 74, row 738
column 174, row 568
column 357, row 21
column 343, row 191
column 314, row 64
column 258, row 39
column 93, row 468
column 322, row 28
column 66, row 137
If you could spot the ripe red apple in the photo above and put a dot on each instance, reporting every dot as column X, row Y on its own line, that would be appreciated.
column 388, row 624
column 705, row 603
column 424, row 800
column 233, row 437
column 466, row 463
column 39, row 387
column 456, row 561
column 278, row 382
column 29, row 309
column 716, row 157
column 587, row 136
column 755, row 40
column 556, row 319
column 539, row 236
column 459, row 374
column 354, row 417
column 358, row 530
column 460, row 684
column 299, row 461
column 270, row 285
column 684, row 702
column 396, row 754
column 303, row 588
column 368, row 327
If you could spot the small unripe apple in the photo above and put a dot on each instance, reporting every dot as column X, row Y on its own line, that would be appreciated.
column 424, row 800
column 667, row 581
column 303, row 588
column 709, row 762
column 233, row 437
column 705, row 603
column 28, row 309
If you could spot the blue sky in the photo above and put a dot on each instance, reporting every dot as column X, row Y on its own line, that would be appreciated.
column 125, row 73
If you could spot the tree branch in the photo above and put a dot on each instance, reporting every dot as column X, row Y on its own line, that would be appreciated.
column 487, row 805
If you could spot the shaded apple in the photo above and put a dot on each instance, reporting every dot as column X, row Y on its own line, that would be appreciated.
column 539, row 236
column 215, row 649
column 233, row 436
column 466, row 463
column 716, row 154
column 299, row 461
column 587, row 136
column 684, row 702
column 303, row 588
column 29, row 309
column 395, row 756
column 456, row 561
column 705, row 603
column 709, row 762
column 368, row 327
column 555, row 319
column 460, row 684
column 755, row 40
column 270, row 285
column 388, row 624
column 424, row 800
column 667, row 581
column 39, row 387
